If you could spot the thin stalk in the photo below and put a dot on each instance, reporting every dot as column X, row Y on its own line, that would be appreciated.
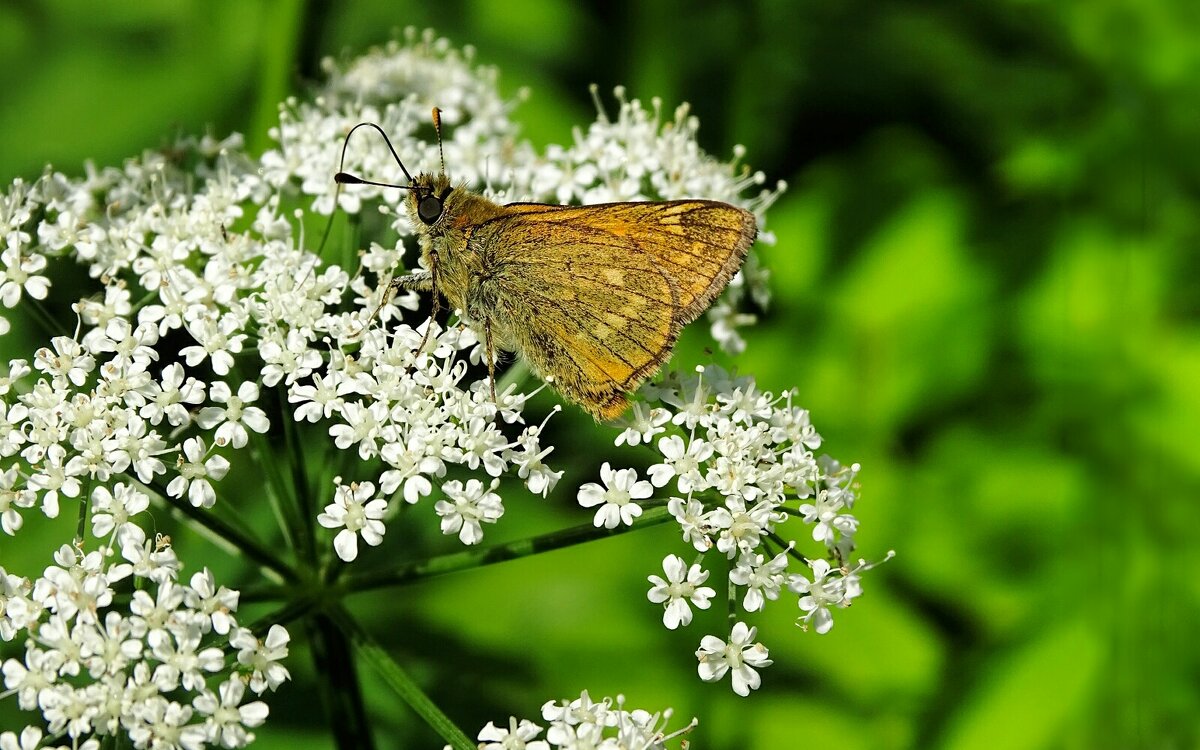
column 229, row 537
column 300, row 483
column 477, row 558
column 784, row 545
column 339, row 686
column 399, row 680
column 274, row 489
column 418, row 570
column 44, row 319
column 85, row 505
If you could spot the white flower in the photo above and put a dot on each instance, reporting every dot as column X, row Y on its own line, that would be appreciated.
column 762, row 580
column 582, row 710
column 643, row 423
column 355, row 512
column 22, row 271
column 363, row 425
column 616, row 498
column 693, row 521
column 183, row 662
column 53, row 480
column 67, row 362
column 818, row 595
column 195, row 469
column 102, row 667
column 584, row 724
column 683, row 462
column 236, row 416
column 826, row 516
column 518, row 736
column 741, row 528
column 213, row 604
column 159, row 717
column 30, row 739
column 467, row 507
column 13, row 496
column 539, row 478
column 112, row 510
column 263, row 657
column 110, row 649
column 287, row 356
column 226, row 717
column 170, row 396
column 320, row 400
column 739, row 657
column 217, row 342
column 149, row 558
column 681, row 587
column 14, row 607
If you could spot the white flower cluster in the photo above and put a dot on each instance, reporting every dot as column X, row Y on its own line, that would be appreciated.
column 210, row 305
column 583, row 723
column 216, row 266
column 165, row 667
column 639, row 155
column 737, row 463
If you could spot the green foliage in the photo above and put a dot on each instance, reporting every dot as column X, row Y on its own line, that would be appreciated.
column 986, row 288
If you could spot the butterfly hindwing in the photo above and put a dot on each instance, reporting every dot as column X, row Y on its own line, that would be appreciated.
column 588, row 307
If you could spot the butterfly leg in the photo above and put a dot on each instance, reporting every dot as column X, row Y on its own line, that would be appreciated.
column 430, row 281
column 491, row 356
column 421, row 281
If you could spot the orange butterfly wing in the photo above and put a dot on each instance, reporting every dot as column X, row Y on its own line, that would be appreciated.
column 595, row 296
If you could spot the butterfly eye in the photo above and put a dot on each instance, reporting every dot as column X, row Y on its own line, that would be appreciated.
column 429, row 209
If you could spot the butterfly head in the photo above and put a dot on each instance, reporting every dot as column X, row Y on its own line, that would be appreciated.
column 430, row 199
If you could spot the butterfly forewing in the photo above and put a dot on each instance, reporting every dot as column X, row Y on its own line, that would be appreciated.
column 699, row 244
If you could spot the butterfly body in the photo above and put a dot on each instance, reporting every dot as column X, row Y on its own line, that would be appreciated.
column 593, row 297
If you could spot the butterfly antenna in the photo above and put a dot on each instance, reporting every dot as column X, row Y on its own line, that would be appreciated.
column 357, row 181
column 437, row 128
column 342, row 177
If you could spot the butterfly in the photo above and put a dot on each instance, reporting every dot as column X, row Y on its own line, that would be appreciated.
column 592, row 297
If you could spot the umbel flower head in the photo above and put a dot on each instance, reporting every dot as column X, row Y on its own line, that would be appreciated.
column 214, row 332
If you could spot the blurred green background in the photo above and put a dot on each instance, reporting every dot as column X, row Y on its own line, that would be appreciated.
column 986, row 288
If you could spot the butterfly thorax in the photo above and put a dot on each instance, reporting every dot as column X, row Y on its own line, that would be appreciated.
column 445, row 216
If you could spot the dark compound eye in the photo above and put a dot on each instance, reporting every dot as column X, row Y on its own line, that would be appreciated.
column 429, row 209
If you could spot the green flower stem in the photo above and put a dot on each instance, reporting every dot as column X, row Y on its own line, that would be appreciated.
column 300, row 483
column 477, row 558
column 44, row 318
column 146, row 299
column 406, row 573
column 784, row 545
column 228, row 537
column 397, row 679
column 85, row 505
column 301, row 606
column 332, row 645
column 274, row 491
column 731, row 605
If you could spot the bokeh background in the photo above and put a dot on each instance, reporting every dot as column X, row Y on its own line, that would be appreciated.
column 986, row 288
